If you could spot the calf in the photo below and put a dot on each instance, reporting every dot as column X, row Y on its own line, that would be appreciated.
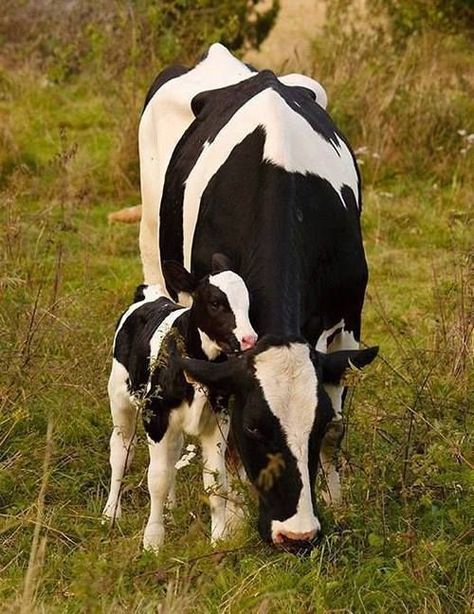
column 150, row 337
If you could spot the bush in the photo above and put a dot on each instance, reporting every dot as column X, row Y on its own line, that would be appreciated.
column 72, row 37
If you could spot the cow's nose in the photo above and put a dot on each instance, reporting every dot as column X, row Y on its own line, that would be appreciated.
column 288, row 536
column 248, row 342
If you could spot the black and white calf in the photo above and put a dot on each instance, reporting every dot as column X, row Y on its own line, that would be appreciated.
column 150, row 337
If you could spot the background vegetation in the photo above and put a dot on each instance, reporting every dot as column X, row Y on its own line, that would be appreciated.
column 71, row 86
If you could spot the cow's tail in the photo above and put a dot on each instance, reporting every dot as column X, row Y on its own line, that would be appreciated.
column 129, row 215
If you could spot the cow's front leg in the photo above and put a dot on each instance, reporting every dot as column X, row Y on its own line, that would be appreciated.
column 161, row 472
column 214, row 442
column 343, row 340
column 328, row 456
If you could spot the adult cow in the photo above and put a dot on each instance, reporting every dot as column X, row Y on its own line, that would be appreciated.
column 242, row 162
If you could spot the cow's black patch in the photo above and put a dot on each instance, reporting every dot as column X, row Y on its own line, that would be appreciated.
column 213, row 110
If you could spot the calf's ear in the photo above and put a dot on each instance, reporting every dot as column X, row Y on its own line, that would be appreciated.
column 222, row 375
column 178, row 278
column 220, row 262
column 335, row 364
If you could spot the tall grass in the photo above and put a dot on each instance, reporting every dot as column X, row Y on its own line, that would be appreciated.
column 402, row 541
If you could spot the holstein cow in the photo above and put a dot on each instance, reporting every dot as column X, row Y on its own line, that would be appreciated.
column 242, row 162
column 150, row 337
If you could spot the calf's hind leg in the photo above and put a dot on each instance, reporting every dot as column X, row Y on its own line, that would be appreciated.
column 122, row 440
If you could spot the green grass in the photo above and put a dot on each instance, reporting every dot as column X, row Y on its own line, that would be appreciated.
column 401, row 542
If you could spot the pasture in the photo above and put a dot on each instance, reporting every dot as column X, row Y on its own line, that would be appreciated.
column 402, row 541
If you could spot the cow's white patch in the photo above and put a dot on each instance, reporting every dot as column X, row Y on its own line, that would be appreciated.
column 310, row 84
column 288, row 381
column 233, row 286
column 321, row 344
column 291, row 143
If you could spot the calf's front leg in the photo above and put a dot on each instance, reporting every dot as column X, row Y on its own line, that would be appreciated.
column 161, row 472
column 214, row 442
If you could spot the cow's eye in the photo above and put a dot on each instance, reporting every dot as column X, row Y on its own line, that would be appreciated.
column 214, row 305
column 253, row 432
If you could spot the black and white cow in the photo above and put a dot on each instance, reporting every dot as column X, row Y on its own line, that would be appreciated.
column 150, row 337
column 250, row 164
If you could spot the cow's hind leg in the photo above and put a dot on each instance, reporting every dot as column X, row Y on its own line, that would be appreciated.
column 343, row 340
column 122, row 440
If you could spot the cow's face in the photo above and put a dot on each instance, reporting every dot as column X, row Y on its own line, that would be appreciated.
column 279, row 416
column 220, row 309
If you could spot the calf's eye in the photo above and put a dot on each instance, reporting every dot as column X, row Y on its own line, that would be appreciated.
column 214, row 304
column 253, row 432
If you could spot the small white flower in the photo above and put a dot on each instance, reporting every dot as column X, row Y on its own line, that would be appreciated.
column 462, row 132
column 376, row 155
column 470, row 138
column 361, row 151
column 359, row 161
column 185, row 460
column 191, row 447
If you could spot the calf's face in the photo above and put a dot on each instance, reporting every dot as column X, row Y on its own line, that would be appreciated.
column 279, row 416
column 220, row 308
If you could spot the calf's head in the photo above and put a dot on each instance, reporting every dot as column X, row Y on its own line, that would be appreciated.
column 279, row 417
column 220, row 308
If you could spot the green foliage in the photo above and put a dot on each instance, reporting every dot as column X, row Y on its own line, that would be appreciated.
column 405, row 109
column 410, row 16
column 112, row 37
column 403, row 539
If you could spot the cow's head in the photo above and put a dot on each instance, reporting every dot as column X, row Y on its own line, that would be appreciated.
column 220, row 308
column 279, row 416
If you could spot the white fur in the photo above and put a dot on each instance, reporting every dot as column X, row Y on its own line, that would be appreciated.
column 198, row 420
column 233, row 286
column 288, row 381
column 304, row 81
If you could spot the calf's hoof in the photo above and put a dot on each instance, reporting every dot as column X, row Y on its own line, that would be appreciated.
column 153, row 538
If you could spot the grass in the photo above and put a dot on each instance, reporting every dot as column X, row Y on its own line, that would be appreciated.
column 402, row 541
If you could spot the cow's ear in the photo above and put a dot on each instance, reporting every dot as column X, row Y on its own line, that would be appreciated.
column 225, row 375
column 178, row 278
column 335, row 364
column 220, row 262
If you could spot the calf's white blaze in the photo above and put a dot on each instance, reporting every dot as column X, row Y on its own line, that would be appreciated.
column 237, row 294
column 289, row 385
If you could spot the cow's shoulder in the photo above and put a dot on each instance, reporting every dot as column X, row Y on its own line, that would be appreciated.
column 171, row 72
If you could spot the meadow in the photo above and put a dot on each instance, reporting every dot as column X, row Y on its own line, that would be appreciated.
column 402, row 540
